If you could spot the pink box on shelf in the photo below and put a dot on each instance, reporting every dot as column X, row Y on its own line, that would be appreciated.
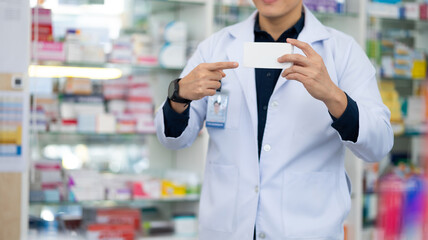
column 48, row 51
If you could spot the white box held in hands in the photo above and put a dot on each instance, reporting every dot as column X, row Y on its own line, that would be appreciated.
column 265, row 55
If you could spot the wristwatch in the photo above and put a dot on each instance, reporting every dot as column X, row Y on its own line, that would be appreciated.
column 173, row 92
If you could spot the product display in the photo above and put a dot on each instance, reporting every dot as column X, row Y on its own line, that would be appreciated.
column 334, row 6
column 398, row 9
column 11, row 113
column 52, row 183
column 395, row 193
column 402, row 200
column 119, row 106
column 138, row 49
column 405, row 62
column 41, row 25
column 47, row 185
column 110, row 231
column 173, row 52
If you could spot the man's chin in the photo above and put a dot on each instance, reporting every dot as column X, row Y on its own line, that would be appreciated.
column 270, row 13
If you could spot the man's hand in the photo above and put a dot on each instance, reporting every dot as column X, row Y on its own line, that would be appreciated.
column 313, row 74
column 202, row 81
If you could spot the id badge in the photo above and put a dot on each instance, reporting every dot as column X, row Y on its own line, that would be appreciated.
column 217, row 110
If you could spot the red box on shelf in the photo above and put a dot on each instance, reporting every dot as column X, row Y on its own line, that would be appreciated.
column 110, row 231
column 41, row 24
column 122, row 216
column 423, row 11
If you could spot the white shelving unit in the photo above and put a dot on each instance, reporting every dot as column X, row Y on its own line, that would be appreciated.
column 191, row 159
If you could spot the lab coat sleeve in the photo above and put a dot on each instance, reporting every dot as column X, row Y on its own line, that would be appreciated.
column 196, row 114
column 358, row 80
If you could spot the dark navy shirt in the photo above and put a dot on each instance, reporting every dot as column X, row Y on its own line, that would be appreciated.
column 266, row 78
column 347, row 125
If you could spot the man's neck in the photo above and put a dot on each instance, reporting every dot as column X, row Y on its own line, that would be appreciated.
column 275, row 26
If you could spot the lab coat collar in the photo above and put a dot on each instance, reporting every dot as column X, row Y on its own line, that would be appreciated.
column 313, row 30
column 244, row 32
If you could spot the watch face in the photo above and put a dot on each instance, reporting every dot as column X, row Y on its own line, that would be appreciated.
column 171, row 89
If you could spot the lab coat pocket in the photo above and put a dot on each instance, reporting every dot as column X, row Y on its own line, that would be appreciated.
column 219, row 197
column 313, row 205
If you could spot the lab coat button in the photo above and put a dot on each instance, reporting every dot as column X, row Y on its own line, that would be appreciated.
column 267, row 148
column 262, row 235
column 275, row 104
column 256, row 189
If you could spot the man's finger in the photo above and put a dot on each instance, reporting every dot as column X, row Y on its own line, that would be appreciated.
column 297, row 69
column 210, row 92
column 298, row 77
column 306, row 48
column 214, row 76
column 294, row 58
column 213, row 85
column 222, row 73
column 221, row 65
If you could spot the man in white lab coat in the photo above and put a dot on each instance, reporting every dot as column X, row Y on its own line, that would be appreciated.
column 275, row 163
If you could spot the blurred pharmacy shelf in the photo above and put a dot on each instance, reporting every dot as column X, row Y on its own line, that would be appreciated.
column 401, row 130
column 402, row 79
column 112, row 8
column 135, row 67
column 71, row 237
column 53, row 136
column 89, row 134
column 127, row 37
column 140, row 203
column 397, row 45
column 168, row 238
column 317, row 14
column 392, row 19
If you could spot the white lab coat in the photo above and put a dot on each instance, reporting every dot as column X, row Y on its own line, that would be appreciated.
column 299, row 189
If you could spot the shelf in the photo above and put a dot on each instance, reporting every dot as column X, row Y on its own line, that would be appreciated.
column 409, row 133
column 317, row 14
column 124, row 135
column 401, row 79
column 106, row 65
column 92, row 137
column 72, row 237
column 412, row 134
column 168, row 238
column 86, row 9
column 332, row 15
column 398, row 19
column 182, row 1
column 120, row 203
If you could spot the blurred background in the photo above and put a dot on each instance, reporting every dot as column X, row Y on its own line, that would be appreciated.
column 99, row 69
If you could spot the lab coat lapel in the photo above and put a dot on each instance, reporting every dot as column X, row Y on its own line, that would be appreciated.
column 312, row 32
column 243, row 32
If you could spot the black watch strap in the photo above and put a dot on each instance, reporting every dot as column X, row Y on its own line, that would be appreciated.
column 173, row 93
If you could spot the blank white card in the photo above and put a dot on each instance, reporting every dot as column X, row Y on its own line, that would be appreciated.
column 265, row 55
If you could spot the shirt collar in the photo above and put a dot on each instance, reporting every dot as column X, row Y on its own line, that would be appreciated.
column 298, row 27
